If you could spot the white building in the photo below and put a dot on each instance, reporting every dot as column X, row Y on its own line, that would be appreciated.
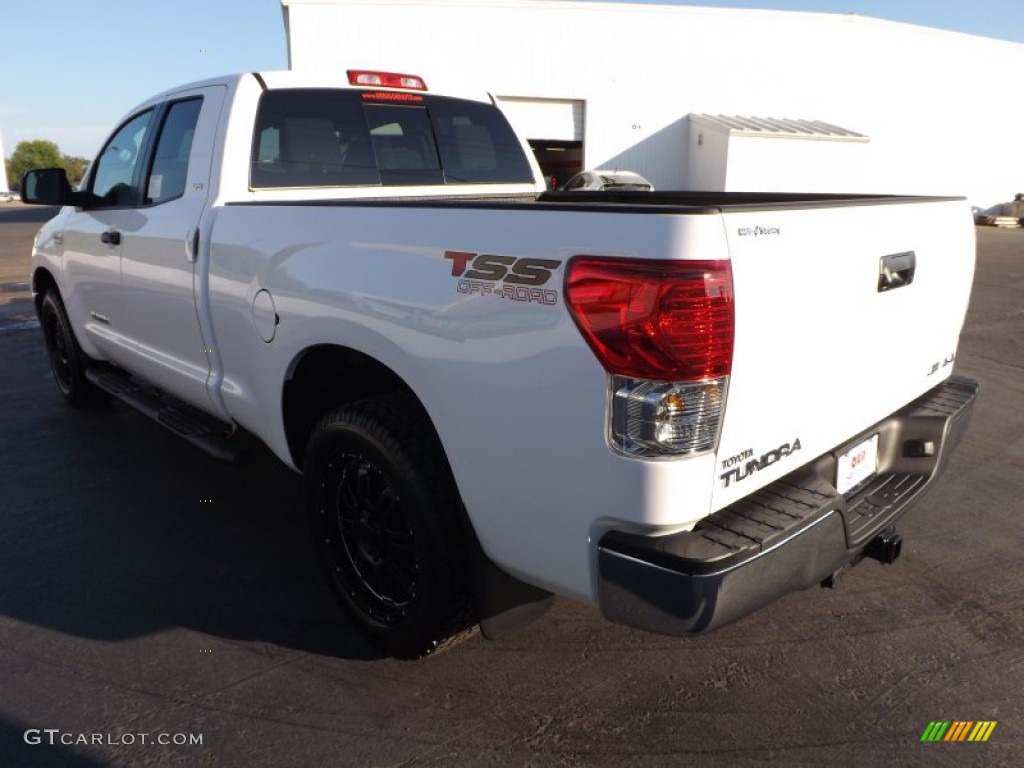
column 3, row 167
column 645, row 88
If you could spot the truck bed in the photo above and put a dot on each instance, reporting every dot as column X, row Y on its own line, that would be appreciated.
column 720, row 201
column 679, row 201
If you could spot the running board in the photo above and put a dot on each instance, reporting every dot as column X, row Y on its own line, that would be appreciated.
column 221, row 440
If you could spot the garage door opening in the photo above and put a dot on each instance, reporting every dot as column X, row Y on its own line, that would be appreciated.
column 554, row 130
column 559, row 161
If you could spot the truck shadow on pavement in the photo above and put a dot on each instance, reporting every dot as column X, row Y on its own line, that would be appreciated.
column 21, row 214
column 116, row 529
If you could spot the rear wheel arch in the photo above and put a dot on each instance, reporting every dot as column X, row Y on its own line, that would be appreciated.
column 328, row 376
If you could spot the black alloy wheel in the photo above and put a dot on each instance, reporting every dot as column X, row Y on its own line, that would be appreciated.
column 368, row 537
column 387, row 525
column 67, row 360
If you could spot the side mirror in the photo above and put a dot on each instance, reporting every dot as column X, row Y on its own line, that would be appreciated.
column 48, row 186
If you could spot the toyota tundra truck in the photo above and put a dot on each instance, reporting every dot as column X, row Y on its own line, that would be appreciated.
column 674, row 406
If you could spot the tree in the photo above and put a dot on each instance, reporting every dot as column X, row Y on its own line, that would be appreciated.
column 32, row 154
column 75, row 166
column 42, row 154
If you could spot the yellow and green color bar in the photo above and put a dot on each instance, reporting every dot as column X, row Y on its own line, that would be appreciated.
column 958, row 730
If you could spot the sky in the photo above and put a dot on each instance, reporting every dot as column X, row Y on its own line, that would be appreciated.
column 72, row 68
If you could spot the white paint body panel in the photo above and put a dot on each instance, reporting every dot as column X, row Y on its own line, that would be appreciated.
column 518, row 399
column 820, row 354
column 516, row 395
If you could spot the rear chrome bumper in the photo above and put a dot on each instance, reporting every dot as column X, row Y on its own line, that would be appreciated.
column 790, row 535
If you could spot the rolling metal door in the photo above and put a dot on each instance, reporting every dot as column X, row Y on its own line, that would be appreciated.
column 551, row 119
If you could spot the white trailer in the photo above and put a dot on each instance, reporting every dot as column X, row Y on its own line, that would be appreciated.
column 608, row 85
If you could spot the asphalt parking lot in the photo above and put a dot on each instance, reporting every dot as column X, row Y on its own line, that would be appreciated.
column 148, row 589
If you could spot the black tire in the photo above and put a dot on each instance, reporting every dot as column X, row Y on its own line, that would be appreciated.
column 387, row 525
column 67, row 360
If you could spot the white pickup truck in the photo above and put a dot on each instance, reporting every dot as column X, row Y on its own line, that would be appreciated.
column 677, row 406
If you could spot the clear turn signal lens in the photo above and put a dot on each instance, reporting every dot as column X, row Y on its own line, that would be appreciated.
column 664, row 418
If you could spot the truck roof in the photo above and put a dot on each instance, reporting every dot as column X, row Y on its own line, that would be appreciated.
column 291, row 79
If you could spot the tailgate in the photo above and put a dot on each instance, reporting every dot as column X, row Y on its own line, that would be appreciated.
column 830, row 335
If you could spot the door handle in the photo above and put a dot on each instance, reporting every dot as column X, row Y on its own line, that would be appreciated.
column 192, row 245
column 896, row 271
column 113, row 237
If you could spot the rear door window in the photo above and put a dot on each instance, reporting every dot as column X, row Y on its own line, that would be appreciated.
column 169, row 169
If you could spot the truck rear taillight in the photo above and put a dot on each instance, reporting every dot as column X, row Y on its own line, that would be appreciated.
column 386, row 80
column 667, row 320
column 664, row 330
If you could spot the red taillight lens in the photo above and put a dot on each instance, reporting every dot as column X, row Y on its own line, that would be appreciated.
column 386, row 79
column 662, row 320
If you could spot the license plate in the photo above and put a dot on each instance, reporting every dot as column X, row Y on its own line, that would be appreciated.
column 857, row 465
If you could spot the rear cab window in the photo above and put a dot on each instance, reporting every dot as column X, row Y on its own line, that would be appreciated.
column 323, row 137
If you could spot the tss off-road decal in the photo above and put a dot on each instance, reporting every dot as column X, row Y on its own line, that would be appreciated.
column 505, row 277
